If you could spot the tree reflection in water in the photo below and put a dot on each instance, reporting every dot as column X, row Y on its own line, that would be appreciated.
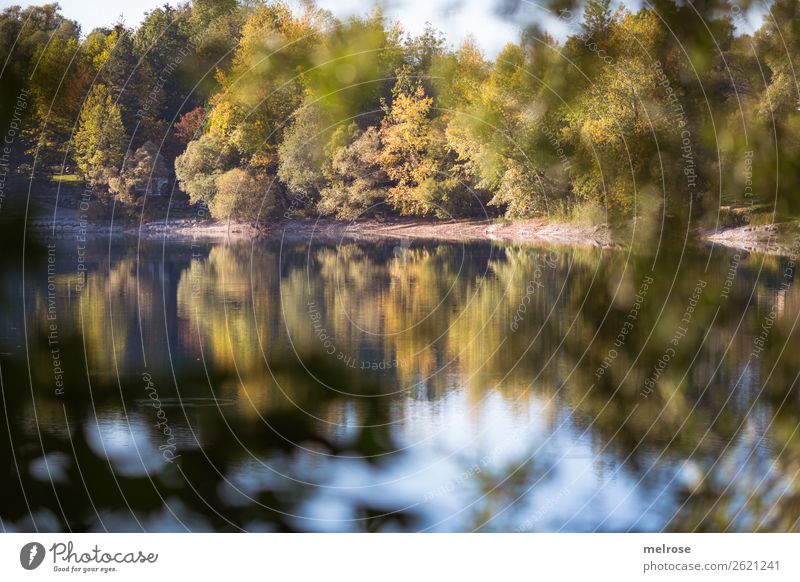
column 340, row 387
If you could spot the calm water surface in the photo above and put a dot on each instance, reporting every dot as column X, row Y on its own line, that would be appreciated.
column 399, row 385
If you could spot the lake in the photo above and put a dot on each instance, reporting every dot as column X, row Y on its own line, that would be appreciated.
column 401, row 385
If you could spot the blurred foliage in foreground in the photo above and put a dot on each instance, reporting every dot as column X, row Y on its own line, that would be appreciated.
column 261, row 110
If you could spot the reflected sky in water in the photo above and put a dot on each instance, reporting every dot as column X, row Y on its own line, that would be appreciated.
column 405, row 385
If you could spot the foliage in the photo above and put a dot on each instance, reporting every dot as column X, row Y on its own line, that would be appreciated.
column 141, row 175
column 189, row 124
column 358, row 186
column 408, row 150
column 302, row 152
column 262, row 88
column 244, row 194
column 199, row 166
column 100, row 141
column 639, row 111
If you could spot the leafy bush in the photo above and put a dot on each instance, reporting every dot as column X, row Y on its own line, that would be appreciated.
column 358, row 185
column 142, row 174
column 198, row 168
column 244, row 194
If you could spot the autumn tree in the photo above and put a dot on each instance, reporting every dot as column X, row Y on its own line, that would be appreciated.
column 263, row 88
column 58, row 84
column 100, row 141
column 198, row 168
column 358, row 185
column 142, row 174
column 244, row 194
column 189, row 124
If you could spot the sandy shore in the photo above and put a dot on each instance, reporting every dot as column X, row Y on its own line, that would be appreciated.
column 453, row 231
column 332, row 231
column 776, row 239
column 773, row 239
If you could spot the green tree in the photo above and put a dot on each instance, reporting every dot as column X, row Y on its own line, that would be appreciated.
column 112, row 55
column 100, row 141
column 245, row 195
column 358, row 185
column 302, row 152
column 509, row 135
column 142, row 174
column 24, row 37
column 198, row 167
column 161, row 41
column 615, row 122
column 597, row 19
column 58, row 85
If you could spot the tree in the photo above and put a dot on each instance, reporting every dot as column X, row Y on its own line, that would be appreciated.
column 428, row 176
column 36, row 42
column 621, row 127
column 597, row 19
column 358, row 185
column 406, row 155
column 422, row 54
column 112, row 55
column 160, row 41
column 352, row 67
column 100, row 141
column 244, row 194
column 302, row 153
column 142, row 174
column 506, row 145
column 188, row 126
column 199, row 166
column 214, row 28
column 58, row 85
column 777, row 135
column 262, row 88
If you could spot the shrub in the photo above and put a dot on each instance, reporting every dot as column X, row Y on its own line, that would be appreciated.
column 198, row 168
column 244, row 194
column 142, row 173
column 358, row 185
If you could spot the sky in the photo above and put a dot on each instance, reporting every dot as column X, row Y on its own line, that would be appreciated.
column 456, row 18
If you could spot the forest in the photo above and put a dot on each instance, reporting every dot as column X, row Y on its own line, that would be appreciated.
column 260, row 110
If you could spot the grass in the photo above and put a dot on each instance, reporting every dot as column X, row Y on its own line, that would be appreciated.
column 760, row 215
column 756, row 215
column 67, row 179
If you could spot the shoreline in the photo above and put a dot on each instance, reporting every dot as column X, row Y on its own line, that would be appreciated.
column 781, row 238
column 772, row 239
column 466, row 230
column 330, row 230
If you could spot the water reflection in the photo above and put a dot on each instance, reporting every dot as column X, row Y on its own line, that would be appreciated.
column 419, row 386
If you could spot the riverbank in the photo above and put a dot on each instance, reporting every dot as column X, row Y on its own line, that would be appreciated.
column 450, row 231
column 543, row 231
column 772, row 239
column 62, row 221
